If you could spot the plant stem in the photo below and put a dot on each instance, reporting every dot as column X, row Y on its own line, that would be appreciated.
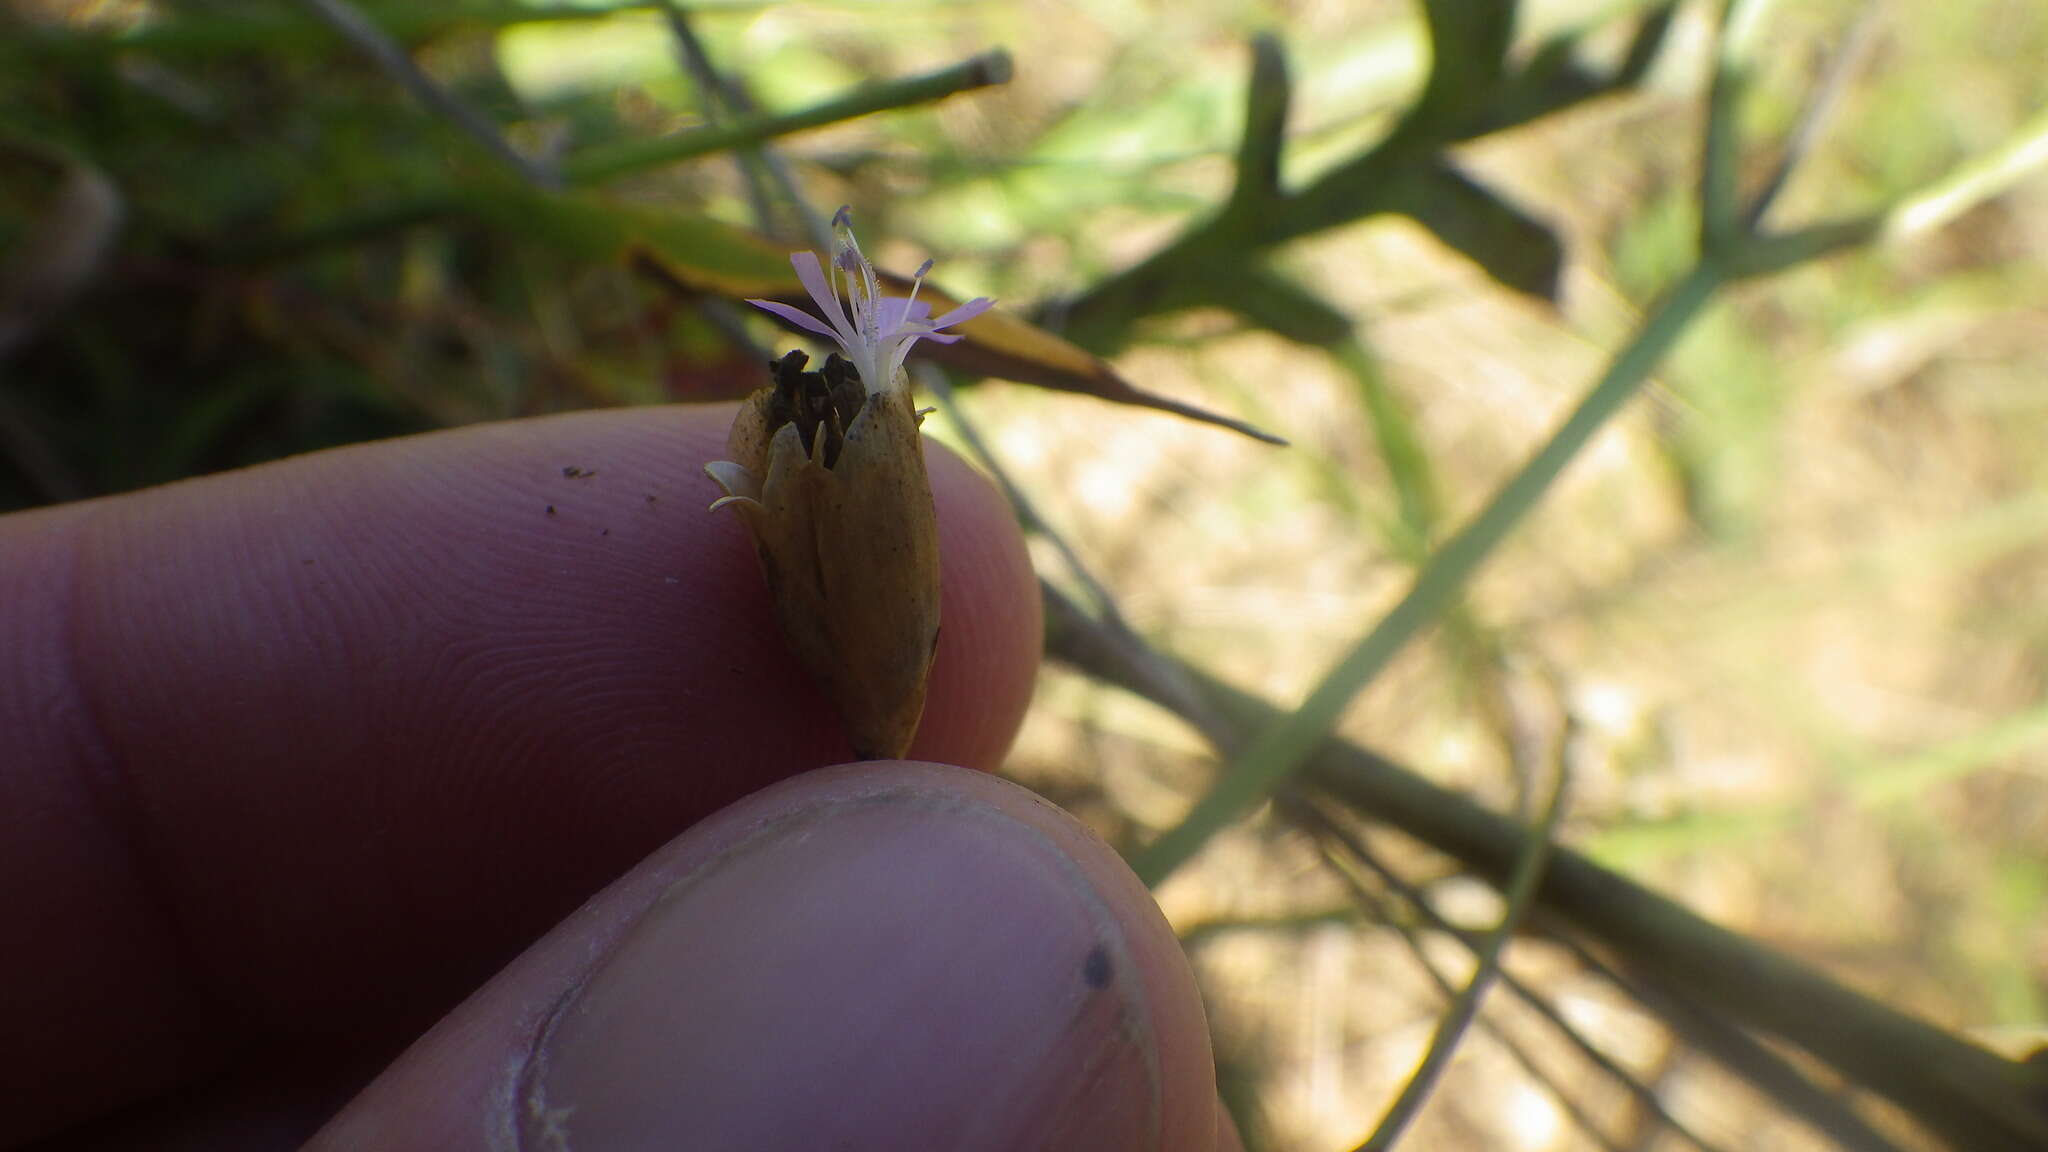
column 1973, row 1097
column 1520, row 892
column 1286, row 743
column 610, row 162
column 352, row 25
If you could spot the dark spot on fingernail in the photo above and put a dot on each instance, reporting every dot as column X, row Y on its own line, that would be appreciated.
column 1095, row 969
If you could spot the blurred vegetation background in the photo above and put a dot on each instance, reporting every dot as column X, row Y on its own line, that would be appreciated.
column 1784, row 620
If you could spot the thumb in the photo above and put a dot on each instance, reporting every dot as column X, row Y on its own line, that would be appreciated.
column 878, row 956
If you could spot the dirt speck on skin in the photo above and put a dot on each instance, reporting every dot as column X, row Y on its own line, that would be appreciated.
column 1095, row 970
column 551, row 509
column 572, row 472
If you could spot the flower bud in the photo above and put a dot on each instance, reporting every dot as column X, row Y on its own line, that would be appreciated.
column 828, row 471
column 844, row 528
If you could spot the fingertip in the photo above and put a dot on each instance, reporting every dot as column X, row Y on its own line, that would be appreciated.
column 859, row 958
column 377, row 716
column 991, row 626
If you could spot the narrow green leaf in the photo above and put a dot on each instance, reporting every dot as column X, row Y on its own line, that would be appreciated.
column 1400, row 448
column 1265, row 130
column 1554, row 78
column 1271, row 301
column 1279, row 750
column 694, row 253
column 2024, row 153
column 1516, row 249
column 1468, row 45
column 607, row 162
column 1721, row 216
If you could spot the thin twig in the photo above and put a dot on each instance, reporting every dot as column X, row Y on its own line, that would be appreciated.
column 1972, row 183
column 607, row 162
column 1720, row 142
column 1971, row 1096
column 1378, row 906
column 1359, row 852
column 1740, row 1053
column 389, row 55
column 1200, row 932
column 1820, row 107
column 1074, row 637
column 1520, row 894
column 816, row 225
column 1161, row 672
column 718, row 97
column 758, row 164
column 600, row 164
column 1287, row 743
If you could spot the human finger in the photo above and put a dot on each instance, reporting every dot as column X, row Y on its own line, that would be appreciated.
column 299, row 755
column 877, row 956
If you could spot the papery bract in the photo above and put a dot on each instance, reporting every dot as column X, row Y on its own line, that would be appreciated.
column 828, row 471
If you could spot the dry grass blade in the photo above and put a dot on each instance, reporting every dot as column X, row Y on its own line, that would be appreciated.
column 1972, row 1096
column 1345, row 849
column 1520, row 894
column 1820, row 106
column 1119, row 632
column 1285, row 744
column 386, row 53
column 1827, row 1111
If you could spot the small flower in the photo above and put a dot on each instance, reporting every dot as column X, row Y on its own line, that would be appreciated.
column 827, row 469
column 882, row 329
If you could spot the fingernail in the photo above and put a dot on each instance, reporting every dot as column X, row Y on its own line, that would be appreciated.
column 910, row 969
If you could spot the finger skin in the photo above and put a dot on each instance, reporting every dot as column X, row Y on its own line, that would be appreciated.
column 299, row 755
column 990, row 976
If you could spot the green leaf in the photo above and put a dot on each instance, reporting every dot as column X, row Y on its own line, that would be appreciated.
column 1514, row 248
column 1287, row 743
column 1265, row 298
column 1265, row 130
column 1468, row 43
column 694, row 253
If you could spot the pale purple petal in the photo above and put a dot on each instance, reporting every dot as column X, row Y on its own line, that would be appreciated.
column 797, row 316
column 812, row 274
column 891, row 312
column 815, row 282
column 967, row 311
column 876, row 331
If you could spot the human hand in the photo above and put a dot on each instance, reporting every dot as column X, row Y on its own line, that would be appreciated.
column 298, row 757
